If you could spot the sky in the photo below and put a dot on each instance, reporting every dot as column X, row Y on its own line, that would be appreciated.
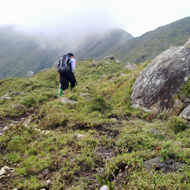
column 83, row 16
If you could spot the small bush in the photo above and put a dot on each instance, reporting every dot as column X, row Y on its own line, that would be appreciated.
column 29, row 102
column 177, row 124
column 100, row 105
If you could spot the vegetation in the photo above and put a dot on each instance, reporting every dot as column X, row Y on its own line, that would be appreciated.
column 98, row 140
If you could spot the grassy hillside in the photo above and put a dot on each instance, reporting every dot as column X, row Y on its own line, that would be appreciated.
column 99, row 139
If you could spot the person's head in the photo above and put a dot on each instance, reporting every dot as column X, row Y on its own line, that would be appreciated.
column 71, row 55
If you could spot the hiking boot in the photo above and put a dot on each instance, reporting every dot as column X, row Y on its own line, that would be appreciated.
column 60, row 92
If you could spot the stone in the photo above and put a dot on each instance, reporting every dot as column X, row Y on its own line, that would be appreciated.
column 130, row 66
column 169, row 165
column 30, row 73
column 67, row 101
column 105, row 187
column 113, row 119
column 117, row 61
column 5, row 97
column 157, row 85
column 48, row 181
column 5, row 129
column 110, row 57
column 186, row 113
column 80, row 137
column 155, row 131
column 5, row 170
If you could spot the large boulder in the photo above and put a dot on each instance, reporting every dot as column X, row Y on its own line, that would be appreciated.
column 162, row 79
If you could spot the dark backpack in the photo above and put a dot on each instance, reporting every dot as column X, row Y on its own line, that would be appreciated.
column 64, row 65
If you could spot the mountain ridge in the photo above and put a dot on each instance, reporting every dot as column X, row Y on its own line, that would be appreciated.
column 21, row 52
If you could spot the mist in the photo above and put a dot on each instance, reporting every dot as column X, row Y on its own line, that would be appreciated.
column 60, row 22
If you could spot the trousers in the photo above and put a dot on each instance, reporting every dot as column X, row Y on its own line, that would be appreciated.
column 66, row 79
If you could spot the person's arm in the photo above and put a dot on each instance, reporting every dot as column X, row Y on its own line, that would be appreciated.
column 73, row 64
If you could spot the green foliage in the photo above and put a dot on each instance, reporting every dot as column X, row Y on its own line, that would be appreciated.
column 33, row 165
column 99, row 104
column 177, row 124
column 185, row 90
column 43, row 142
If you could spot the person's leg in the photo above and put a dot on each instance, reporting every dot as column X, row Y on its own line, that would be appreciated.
column 64, row 85
column 72, row 80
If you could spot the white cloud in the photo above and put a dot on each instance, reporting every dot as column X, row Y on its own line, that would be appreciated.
column 135, row 16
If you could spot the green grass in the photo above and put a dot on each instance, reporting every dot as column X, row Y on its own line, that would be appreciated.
column 117, row 138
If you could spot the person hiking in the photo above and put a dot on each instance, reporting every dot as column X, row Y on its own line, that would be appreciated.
column 68, row 76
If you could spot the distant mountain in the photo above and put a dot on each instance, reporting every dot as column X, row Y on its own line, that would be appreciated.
column 152, row 43
column 100, row 45
column 20, row 53
column 136, row 50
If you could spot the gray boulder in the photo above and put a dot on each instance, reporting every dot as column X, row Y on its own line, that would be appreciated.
column 186, row 113
column 161, row 80
column 169, row 165
column 30, row 73
column 67, row 101
column 110, row 57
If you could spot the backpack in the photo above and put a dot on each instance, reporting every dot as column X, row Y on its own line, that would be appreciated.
column 64, row 65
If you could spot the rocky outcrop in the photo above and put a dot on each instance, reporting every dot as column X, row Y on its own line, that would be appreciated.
column 169, row 165
column 186, row 113
column 109, row 57
column 30, row 73
column 161, row 80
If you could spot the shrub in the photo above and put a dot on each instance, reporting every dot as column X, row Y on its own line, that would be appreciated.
column 177, row 124
column 100, row 105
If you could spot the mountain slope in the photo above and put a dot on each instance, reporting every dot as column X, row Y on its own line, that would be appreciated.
column 98, row 139
column 139, row 49
column 20, row 53
column 98, row 46
column 154, row 42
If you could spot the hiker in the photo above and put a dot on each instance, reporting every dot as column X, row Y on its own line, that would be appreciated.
column 67, row 77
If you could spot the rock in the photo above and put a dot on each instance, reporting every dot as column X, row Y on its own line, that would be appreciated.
column 30, row 73
column 130, row 66
column 186, row 113
column 156, row 86
column 113, row 119
column 1, row 134
column 165, row 166
column 14, row 106
column 5, row 129
column 84, row 94
column 5, row 97
column 80, row 137
column 4, row 170
column 67, row 101
column 155, row 131
column 105, row 187
column 48, row 181
column 110, row 57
